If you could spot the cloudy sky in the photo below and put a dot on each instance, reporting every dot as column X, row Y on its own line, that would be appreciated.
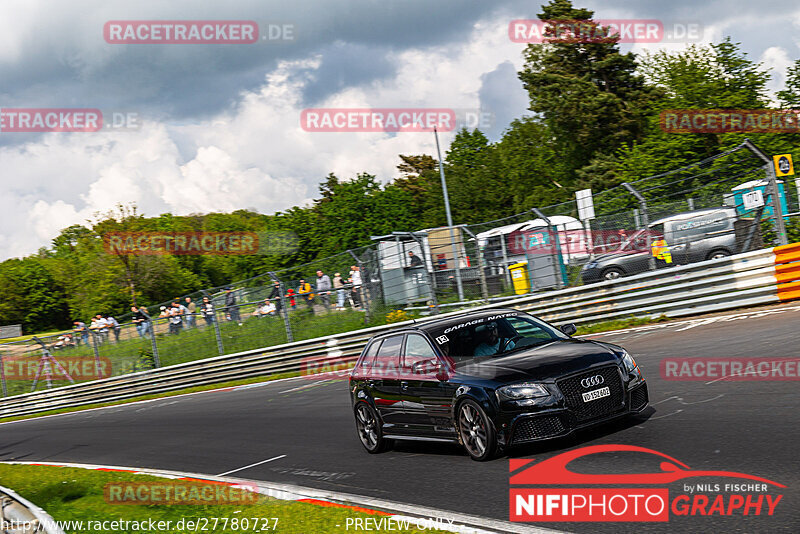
column 219, row 125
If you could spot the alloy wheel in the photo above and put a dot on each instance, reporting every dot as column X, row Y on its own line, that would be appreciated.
column 367, row 427
column 473, row 430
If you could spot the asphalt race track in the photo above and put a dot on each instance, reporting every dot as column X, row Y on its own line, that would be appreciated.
column 748, row 427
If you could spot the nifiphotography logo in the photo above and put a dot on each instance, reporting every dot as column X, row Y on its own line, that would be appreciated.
column 632, row 497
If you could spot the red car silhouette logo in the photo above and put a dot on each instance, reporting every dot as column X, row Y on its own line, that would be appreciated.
column 554, row 470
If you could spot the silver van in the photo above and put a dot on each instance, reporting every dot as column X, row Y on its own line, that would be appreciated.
column 690, row 237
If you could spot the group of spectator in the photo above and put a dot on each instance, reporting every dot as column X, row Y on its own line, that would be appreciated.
column 101, row 326
column 349, row 289
column 321, row 292
column 180, row 316
column 184, row 315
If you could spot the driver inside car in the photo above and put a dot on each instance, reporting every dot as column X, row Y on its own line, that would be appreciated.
column 491, row 342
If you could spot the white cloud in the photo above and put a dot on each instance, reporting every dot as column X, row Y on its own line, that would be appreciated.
column 254, row 156
column 777, row 60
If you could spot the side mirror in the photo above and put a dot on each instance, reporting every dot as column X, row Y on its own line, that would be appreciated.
column 568, row 329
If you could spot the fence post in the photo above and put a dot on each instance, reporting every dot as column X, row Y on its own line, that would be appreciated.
column 364, row 285
column 481, row 271
column 96, row 353
column 152, row 329
column 284, row 307
column 3, row 376
column 431, row 275
column 456, row 256
column 217, row 333
column 558, row 270
column 777, row 211
column 651, row 261
column 505, row 260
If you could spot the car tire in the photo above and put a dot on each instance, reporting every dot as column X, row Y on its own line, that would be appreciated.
column 368, row 426
column 717, row 254
column 476, row 431
column 612, row 273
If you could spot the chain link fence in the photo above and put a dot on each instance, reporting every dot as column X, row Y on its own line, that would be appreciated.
column 719, row 206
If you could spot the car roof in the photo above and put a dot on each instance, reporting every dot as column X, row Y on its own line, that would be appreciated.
column 691, row 214
column 446, row 322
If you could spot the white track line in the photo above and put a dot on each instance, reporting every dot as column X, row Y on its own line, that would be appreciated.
column 251, row 465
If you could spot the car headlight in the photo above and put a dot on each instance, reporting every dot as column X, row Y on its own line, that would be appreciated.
column 590, row 265
column 631, row 366
column 629, row 362
column 526, row 390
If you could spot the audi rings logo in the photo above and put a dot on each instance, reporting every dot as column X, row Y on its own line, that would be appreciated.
column 592, row 381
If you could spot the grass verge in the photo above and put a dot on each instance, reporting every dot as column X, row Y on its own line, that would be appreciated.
column 76, row 495
column 619, row 324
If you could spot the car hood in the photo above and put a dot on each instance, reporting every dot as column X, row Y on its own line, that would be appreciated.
column 543, row 362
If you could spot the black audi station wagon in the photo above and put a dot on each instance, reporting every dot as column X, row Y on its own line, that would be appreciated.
column 489, row 380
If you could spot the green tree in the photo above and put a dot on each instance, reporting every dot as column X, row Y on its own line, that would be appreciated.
column 587, row 93
column 31, row 296
column 530, row 165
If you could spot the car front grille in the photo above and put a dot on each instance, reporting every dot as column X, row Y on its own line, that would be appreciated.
column 586, row 411
column 533, row 428
column 639, row 397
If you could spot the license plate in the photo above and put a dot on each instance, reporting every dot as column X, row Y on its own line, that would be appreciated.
column 596, row 394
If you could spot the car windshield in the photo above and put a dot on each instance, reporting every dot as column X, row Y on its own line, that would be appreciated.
column 493, row 336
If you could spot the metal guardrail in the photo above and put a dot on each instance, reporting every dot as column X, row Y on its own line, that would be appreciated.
column 20, row 516
column 742, row 280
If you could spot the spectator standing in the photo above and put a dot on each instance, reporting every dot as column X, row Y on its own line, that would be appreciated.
column 275, row 295
column 231, row 308
column 338, row 285
column 191, row 310
column 207, row 311
column 175, row 319
column 290, row 296
column 81, row 331
column 100, row 327
column 113, row 324
column 414, row 260
column 148, row 321
column 324, row 288
column 304, row 291
column 355, row 278
column 184, row 311
column 139, row 321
